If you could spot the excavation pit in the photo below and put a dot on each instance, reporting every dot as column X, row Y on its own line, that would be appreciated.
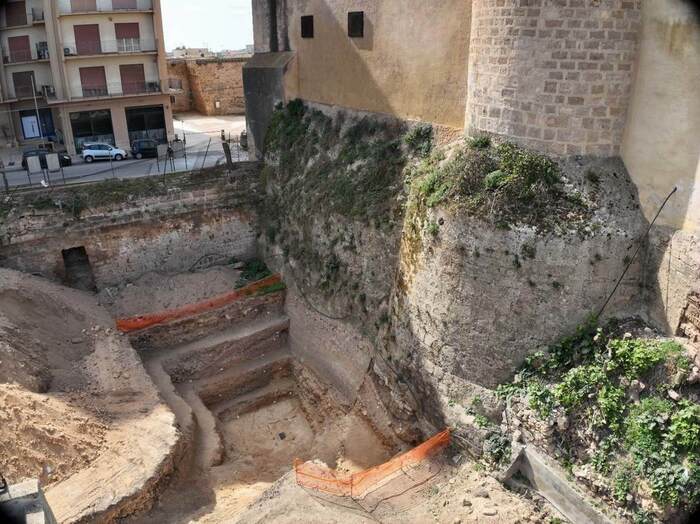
column 248, row 408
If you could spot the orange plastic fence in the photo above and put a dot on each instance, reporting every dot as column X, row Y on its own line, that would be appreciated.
column 127, row 325
column 323, row 479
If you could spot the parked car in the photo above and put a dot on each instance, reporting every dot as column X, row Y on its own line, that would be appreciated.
column 144, row 147
column 63, row 158
column 102, row 152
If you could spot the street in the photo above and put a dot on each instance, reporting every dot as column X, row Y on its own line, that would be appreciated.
column 204, row 149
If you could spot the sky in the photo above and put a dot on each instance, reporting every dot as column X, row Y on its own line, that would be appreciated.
column 216, row 24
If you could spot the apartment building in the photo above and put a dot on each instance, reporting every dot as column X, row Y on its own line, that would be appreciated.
column 77, row 71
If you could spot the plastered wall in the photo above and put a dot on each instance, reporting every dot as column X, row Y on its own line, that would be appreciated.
column 412, row 61
column 661, row 145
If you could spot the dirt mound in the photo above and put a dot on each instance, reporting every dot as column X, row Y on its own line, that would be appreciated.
column 160, row 291
column 44, row 436
column 41, row 337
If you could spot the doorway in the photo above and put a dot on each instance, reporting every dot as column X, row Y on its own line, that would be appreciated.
column 78, row 270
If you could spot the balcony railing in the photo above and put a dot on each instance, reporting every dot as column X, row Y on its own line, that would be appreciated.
column 67, row 7
column 22, row 92
column 123, row 45
column 115, row 89
column 25, row 55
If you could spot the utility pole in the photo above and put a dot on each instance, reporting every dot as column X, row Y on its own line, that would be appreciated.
column 36, row 108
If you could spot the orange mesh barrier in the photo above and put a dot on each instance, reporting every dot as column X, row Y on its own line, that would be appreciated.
column 316, row 477
column 127, row 325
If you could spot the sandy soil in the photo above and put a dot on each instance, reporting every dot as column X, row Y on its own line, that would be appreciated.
column 50, row 426
column 66, row 380
column 155, row 291
column 454, row 495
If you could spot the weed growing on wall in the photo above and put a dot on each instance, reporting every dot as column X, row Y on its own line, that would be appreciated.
column 614, row 388
column 335, row 184
column 507, row 185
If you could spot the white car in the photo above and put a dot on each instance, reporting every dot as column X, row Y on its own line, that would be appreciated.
column 102, row 152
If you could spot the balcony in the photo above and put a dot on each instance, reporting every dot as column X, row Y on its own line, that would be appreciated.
column 109, row 47
column 23, row 56
column 73, row 7
column 115, row 89
column 22, row 92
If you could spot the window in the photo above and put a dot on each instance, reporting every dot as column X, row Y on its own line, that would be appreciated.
column 356, row 24
column 93, row 81
column 87, row 39
column 24, row 84
column 307, row 26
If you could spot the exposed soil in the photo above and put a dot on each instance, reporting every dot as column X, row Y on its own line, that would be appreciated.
column 50, row 426
column 156, row 291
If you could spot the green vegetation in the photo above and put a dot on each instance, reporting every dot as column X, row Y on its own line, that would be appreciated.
column 506, row 184
column 74, row 200
column 479, row 142
column 253, row 270
column 497, row 448
column 419, row 140
column 647, row 447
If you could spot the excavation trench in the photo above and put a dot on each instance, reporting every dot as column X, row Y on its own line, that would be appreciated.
column 247, row 408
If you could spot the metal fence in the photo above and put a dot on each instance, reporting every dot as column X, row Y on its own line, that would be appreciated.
column 190, row 152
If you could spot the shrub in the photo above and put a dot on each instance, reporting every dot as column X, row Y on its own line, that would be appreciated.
column 637, row 356
column 684, row 430
column 479, row 142
column 420, row 140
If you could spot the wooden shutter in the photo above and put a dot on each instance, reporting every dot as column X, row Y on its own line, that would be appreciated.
column 23, row 84
column 20, row 49
column 78, row 6
column 87, row 39
column 16, row 13
column 124, row 4
column 133, row 79
column 94, row 81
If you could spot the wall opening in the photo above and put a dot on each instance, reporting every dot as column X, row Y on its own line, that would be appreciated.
column 78, row 269
column 307, row 26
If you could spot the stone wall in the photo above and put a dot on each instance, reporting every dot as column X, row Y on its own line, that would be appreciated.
column 177, row 70
column 209, row 86
column 553, row 75
column 213, row 218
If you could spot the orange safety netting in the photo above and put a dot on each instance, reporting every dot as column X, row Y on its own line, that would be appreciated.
column 127, row 325
column 317, row 477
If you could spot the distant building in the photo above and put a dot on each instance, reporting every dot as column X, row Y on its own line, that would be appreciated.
column 191, row 53
column 94, row 68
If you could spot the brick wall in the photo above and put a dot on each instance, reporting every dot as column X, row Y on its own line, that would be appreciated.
column 206, row 82
column 554, row 75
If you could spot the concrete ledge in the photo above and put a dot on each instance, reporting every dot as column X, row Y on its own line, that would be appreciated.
column 550, row 481
column 25, row 503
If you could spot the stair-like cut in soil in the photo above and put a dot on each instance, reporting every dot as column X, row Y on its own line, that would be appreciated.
column 245, row 377
column 242, row 404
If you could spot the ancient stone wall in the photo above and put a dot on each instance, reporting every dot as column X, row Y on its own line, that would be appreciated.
column 555, row 75
column 177, row 70
column 209, row 86
column 213, row 220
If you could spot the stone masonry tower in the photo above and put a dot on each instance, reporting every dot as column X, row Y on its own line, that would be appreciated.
column 554, row 75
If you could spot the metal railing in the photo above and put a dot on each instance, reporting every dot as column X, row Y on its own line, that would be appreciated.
column 16, row 56
column 67, row 7
column 115, row 89
column 100, row 47
column 37, row 15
